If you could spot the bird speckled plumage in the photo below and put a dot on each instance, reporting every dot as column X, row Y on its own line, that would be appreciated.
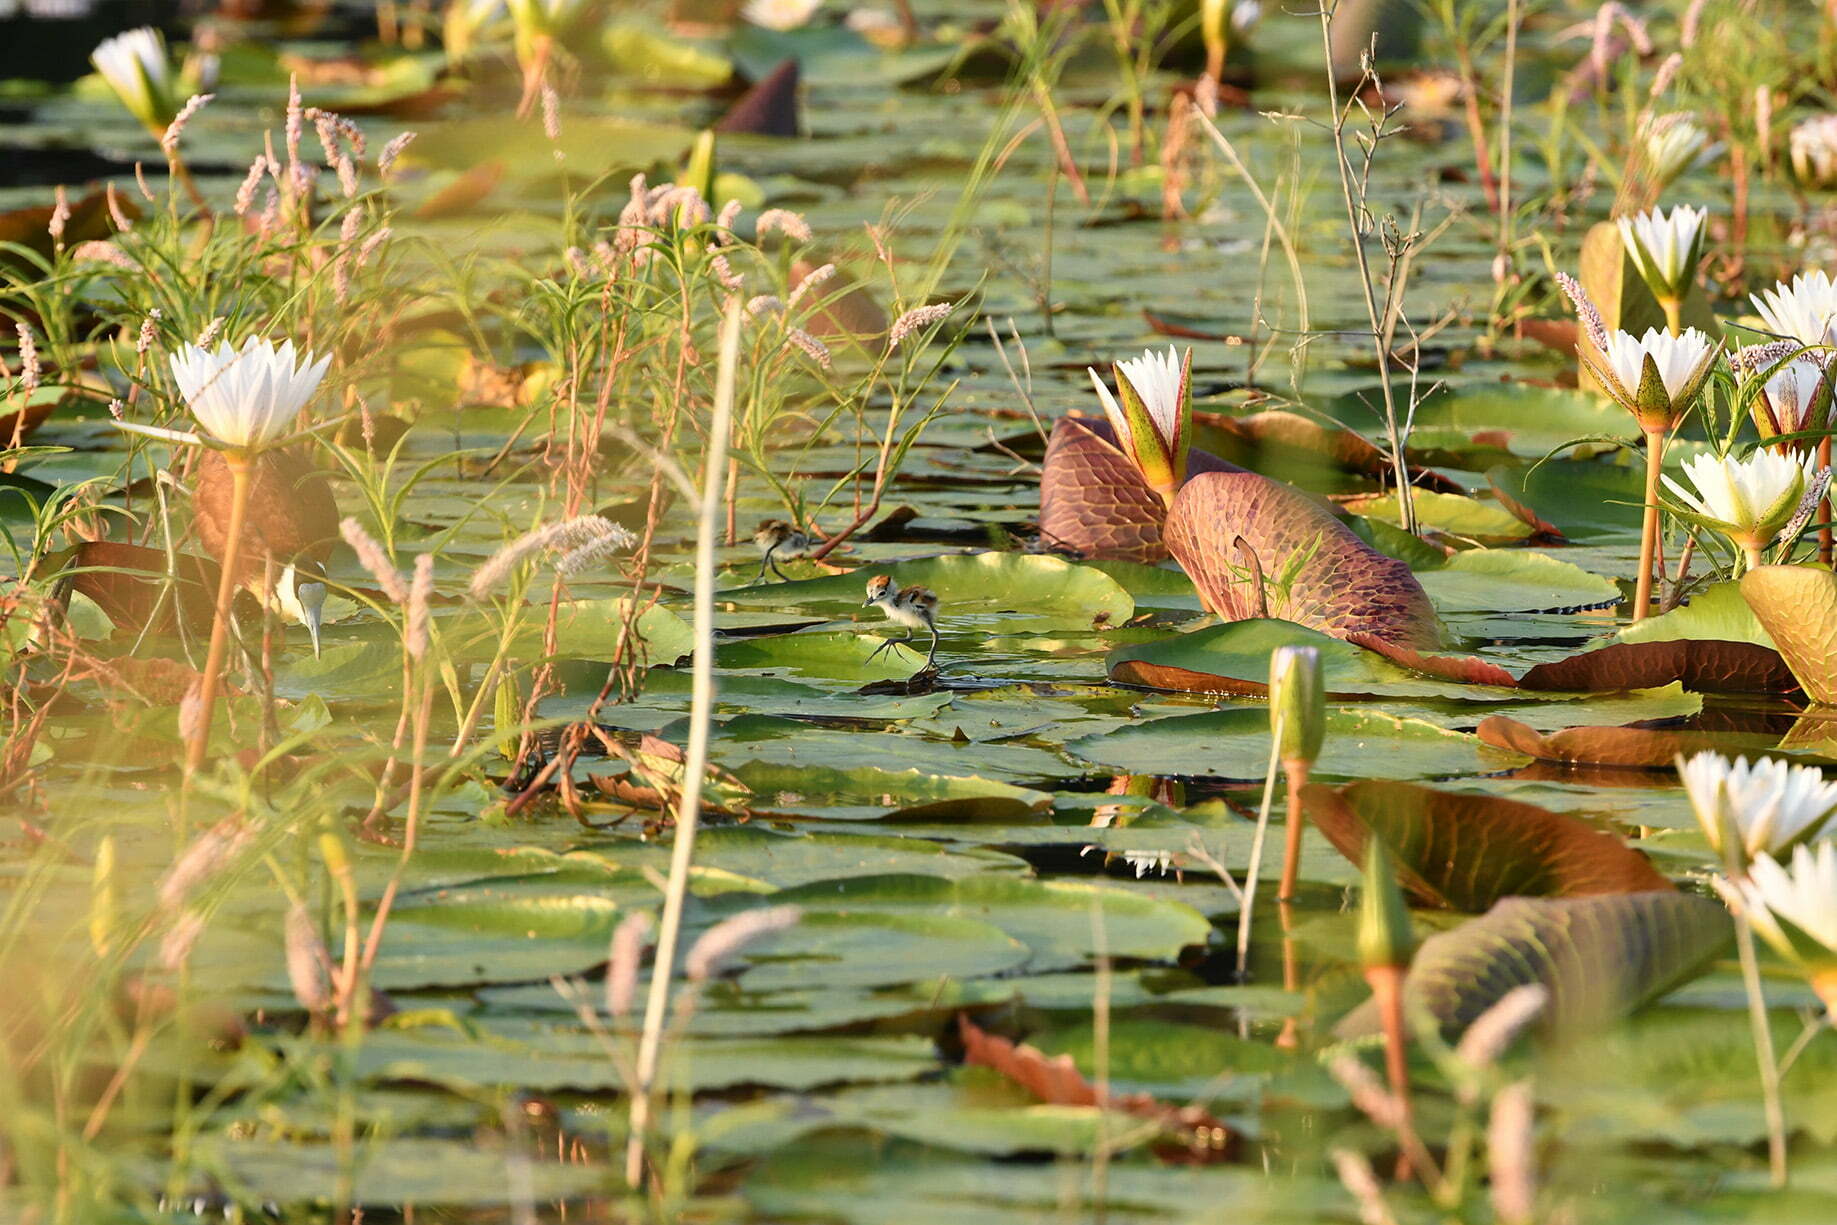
column 291, row 516
column 913, row 607
column 777, row 539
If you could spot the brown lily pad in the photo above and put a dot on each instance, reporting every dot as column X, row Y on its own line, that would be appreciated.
column 1259, row 548
column 1094, row 503
column 1700, row 665
column 1467, row 669
column 1797, row 606
column 769, row 108
column 1638, row 747
column 1467, row 852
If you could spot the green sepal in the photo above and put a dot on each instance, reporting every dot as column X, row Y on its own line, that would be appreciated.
column 1385, row 939
column 1152, row 457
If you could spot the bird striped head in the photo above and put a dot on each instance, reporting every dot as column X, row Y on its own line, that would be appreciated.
column 879, row 590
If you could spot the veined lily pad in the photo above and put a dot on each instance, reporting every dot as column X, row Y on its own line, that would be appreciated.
column 1466, row 851
column 1255, row 547
column 1515, row 580
column 1601, row 958
column 1797, row 606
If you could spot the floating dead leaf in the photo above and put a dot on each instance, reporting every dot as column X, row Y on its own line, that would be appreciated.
column 1192, row 1136
column 1316, row 572
column 1467, row 852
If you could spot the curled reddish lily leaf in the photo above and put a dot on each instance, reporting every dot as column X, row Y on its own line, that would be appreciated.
column 1094, row 503
column 1700, row 665
column 1467, row 851
column 1465, row 668
column 1192, row 1136
column 1797, row 605
column 1630, row 747
column 1316, row 572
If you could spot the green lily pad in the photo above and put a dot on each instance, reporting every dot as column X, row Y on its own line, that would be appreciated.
column 1014, row 590
column 1515, row 580
column 1235, row 744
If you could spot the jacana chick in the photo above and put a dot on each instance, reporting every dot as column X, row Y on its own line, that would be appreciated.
column 775, row 539
column 913, row 607
column 292, row 520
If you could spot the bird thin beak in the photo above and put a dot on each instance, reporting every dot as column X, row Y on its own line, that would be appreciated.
column 312, row 610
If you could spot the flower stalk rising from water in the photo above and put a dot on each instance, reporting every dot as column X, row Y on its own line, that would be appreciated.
column 1152, row 415
column 1657, row 378
column 246, row 400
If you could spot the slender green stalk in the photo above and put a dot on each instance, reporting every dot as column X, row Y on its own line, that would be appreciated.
column 1771, row 1104
column 695, row 758
column 220, row 623
column 1256, row 851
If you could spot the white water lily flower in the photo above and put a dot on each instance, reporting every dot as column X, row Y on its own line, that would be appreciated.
column 247, row 398
column 1673, row 144
column 136, row 66
column 1813, row 149
column 1748, row 500
column 780, row 14
column 1771, row 806
column 1153, row 417
column 1144, row 862
column 1804, row 310
column 1795, row 397
column 1795, row 910
column 1665, row 249
column 1656, row 376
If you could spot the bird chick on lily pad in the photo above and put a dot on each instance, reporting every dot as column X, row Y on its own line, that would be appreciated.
column 778, row 541
column 914, row 608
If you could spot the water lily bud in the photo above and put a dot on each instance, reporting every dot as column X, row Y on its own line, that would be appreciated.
column 1297, row 702
column 137, row 67
column 1152, row 415
column 1385, row 941
column 104, row 897
column 1665, row 249
column 1813, row 147
column 337, row 859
